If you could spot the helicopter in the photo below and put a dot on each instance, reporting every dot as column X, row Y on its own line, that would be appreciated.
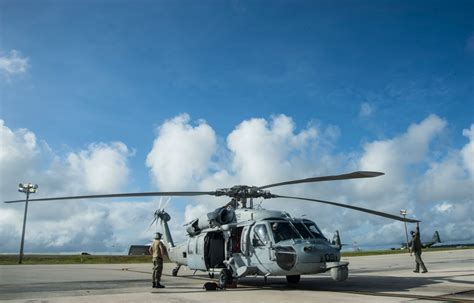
column 238, row 239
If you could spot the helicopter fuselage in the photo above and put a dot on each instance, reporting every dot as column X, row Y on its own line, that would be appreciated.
column 259, row 242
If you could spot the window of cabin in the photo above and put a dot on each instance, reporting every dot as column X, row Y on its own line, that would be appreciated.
column 260, row 235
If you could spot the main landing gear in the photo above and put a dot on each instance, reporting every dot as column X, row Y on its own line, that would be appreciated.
column 175, row 270
column 226, row 279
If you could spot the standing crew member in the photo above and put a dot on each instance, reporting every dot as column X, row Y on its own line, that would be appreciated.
column 157, row 250
column 416, row 249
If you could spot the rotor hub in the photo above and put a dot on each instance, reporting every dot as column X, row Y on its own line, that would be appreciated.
column 240, row 192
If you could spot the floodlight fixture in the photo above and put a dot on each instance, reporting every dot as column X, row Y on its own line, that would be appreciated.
column 404, row 212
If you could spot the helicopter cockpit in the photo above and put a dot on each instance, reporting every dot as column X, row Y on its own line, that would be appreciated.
column 308, row 229
column 282, row 230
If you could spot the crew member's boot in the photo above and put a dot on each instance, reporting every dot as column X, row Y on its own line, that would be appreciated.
column 158, row 285
column 417, row 268
column 424, row 268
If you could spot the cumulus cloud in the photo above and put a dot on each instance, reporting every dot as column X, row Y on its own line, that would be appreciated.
column 446, row 190
column 13, row 63
column 19, row 151
column 433, row 181
column 260, row 151
column 102, row 167
column 468, row 150
column 394, row 156
column 181, row 153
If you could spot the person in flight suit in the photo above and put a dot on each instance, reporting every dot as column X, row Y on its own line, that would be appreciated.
column 278, row 234
column 416, row 249
column 158, row 251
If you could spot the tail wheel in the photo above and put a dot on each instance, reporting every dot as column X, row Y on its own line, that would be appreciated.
column 293, row 279
column 225, row 278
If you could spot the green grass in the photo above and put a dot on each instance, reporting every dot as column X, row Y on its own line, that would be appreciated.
column 73, row 259
column 397, row 251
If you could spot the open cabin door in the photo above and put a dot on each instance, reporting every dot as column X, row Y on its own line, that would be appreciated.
column 260, row 243
column 214, row 250
column 245, row 239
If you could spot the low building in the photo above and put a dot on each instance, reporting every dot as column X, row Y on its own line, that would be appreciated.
column 139, row 250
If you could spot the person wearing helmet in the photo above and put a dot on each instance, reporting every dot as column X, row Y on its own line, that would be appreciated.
column 416, row 249
column 157, row 250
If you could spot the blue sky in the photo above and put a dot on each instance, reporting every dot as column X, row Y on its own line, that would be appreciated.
column 78, row 74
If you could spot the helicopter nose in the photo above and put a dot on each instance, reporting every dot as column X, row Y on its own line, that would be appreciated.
column 286, row 257
column 316, row 253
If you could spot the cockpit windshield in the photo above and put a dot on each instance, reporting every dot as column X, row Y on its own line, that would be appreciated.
column 303, row 230
column 283, row 231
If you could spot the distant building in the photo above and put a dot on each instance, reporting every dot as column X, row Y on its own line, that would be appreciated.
column 139, row 250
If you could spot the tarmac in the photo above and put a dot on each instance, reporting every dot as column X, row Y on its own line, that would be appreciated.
column 381, row 278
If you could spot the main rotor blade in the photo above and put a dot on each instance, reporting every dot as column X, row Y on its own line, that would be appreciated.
column 353, row 175
column 365, row 210
column 146, row 194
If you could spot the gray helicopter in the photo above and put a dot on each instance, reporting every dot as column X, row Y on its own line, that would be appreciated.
column 238, row 239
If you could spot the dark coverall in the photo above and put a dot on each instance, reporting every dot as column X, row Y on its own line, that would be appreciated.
column 416, row 249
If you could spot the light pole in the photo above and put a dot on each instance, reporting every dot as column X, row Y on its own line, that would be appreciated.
column 27, row 189
column 403, row 212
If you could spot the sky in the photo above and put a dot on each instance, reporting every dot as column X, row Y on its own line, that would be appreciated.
column 125, row 96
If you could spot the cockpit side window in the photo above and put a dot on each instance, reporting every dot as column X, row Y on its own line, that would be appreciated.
column 260, row 236
column 313, row 228
column 283, row 231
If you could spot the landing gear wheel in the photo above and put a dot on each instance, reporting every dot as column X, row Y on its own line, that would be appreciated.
column 225, row 278
column 293, row 279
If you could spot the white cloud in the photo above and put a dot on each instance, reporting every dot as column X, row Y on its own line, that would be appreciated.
column 100, row 168
column 366, row 110
column 13, row 63
column 181, row 153
column 433, row 181
column 261, row 151
column 61, row 225
column 468, row 150
column 394, row 156
column 443, row 207
column 18, row 152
